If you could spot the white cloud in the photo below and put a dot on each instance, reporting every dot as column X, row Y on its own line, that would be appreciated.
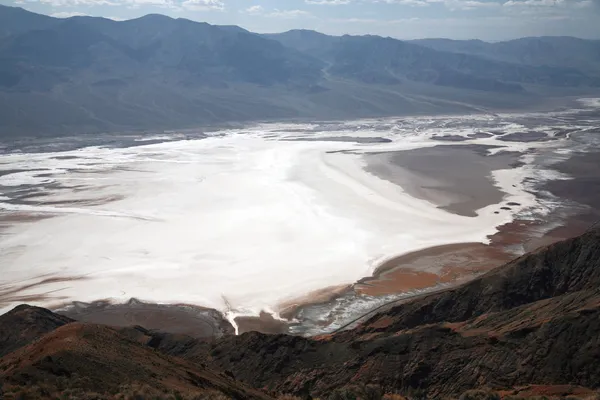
column 450, row 4
column 192, row 5
column 71, row 3
column 556, row 8
column 470, row 4
column 68, row 14
column 532, row 3
column 413, row 3
column 276, row 13
column 374, row 21
column 254, row 10
column 288, row 14
column 355, row 20
column 327, row 2
column 203, row 5
column 155, row 3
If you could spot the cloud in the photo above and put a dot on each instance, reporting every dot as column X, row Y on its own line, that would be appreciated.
column 288, row 14
column 413, row 3
column 192, row 5
column 141, row 3
column 203, row 5
column 355, row 20
column 276, row 13
column 450, row 4
column 470, row 4
column 374, row 21
column 327, row 2
column 71, row 3
column 254, row 10
column 552, row 7
column 532, row 3
column 68, row 14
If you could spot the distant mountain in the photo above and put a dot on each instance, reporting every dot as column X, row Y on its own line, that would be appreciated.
column 307, row 41
column 179, row 51
column 552, row 51
column 374, row 59
column 86, row 74
column 15, row 20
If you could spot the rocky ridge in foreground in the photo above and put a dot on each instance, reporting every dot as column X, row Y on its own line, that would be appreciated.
column 529, row 327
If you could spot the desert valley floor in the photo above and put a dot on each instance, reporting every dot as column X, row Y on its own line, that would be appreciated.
column 305, row 226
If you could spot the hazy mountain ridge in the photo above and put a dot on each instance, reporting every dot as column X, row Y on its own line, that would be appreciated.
column 374, row 58
column 88, row 74
column 557, row 51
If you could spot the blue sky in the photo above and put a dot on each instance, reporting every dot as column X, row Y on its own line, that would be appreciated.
column 404, row 19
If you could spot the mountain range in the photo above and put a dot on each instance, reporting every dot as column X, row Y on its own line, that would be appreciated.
column 528, row 329
column 86, row 74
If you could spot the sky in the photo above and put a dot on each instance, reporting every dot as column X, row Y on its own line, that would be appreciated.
column 490, row 20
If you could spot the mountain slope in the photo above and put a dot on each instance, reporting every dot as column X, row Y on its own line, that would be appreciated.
column 307, row 41
column 93, row 361
column 206, row 54
column 15, row 20
column 25, row 324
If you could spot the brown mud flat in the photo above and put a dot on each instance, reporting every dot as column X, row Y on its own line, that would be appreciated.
column 456, row 263
column 9, row 219
column 584, row 187
column 431, row 267
column 456, row 178
column 17, row 291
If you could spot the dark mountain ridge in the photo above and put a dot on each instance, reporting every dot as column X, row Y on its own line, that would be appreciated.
column 87, row 74
column 531, row 326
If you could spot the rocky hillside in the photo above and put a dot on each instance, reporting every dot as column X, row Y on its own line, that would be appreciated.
column 529, row 327
column 86, row 361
